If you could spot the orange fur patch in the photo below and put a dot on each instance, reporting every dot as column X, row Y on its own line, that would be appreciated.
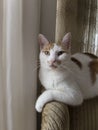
column 93, row 69
column 93, row 65
column 48, row 47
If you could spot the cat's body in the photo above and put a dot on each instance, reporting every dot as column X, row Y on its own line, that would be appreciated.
column 66, row 78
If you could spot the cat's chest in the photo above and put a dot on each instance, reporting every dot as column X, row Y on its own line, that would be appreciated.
column 51, row 79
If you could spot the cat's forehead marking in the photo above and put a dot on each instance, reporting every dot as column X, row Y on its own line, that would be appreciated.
column 59, row 47
column 53, row 47
column 48, row 47
column 56, row 47
column 62, row 47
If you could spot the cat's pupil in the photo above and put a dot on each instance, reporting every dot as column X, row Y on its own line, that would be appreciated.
column 60, row 53
column 47, row 52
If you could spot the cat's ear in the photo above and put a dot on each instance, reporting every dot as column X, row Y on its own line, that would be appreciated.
column 66, row 42
column 42, row 40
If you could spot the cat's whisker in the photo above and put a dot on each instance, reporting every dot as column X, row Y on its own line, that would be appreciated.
column 34, row 65
column 65, row 67
column 37, row 67
column 37, row 62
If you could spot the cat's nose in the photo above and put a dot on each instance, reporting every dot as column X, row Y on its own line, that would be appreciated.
column 52, row 61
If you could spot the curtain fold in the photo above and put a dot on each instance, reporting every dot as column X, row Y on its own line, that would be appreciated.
column 2, row 104
column 19, row 28
column 87, row 25
column 80, row 17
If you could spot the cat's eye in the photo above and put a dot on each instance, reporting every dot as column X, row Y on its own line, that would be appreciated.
column 60, row 53
column 47, row 52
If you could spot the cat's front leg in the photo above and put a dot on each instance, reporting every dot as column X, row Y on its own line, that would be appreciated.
column 70, row 97
column 45, row 97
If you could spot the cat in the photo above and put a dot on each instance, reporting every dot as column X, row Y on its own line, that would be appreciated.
column 67, row 78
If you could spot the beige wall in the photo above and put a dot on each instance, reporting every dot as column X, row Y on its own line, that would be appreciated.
column 31, row 25
column 48, row 18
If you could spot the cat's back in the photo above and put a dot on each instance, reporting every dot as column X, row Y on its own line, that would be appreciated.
column 87, row 74
column 84, row 57
column 86, row 61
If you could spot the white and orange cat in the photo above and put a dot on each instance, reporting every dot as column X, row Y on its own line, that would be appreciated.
column 67, row 78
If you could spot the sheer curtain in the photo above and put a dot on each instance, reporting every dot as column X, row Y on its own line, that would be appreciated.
column 19, row 27
column 80, row 17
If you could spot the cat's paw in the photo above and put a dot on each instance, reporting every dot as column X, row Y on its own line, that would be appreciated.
column 38, row 107
column 42, row 100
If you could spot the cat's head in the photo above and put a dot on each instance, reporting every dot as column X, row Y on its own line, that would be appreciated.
column 52, row 55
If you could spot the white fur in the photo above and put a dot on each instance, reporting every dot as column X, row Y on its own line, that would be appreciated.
column 67, row 83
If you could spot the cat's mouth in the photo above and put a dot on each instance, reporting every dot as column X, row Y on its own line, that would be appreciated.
column 53, row 66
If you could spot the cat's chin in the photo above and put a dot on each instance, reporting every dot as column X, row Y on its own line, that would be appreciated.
column 53, row 67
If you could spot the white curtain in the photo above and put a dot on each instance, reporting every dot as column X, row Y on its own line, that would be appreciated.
column 19, row 27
